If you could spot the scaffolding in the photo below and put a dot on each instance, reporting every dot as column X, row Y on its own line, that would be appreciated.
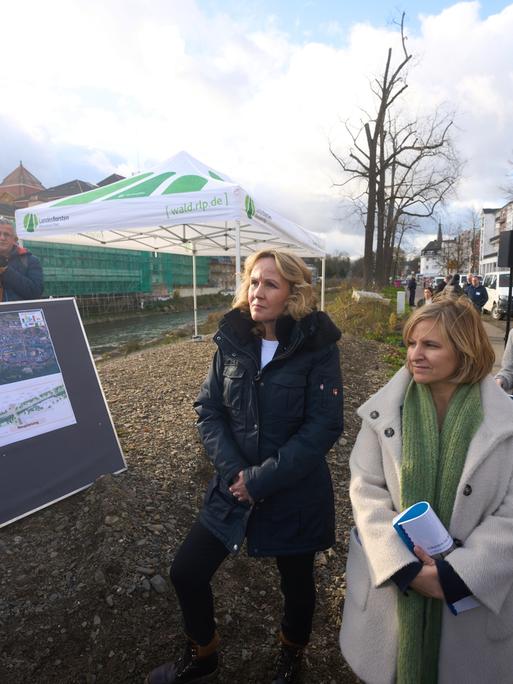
column 72, row 270
column 113, row 280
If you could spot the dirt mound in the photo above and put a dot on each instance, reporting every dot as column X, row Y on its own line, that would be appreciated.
column 84, row 592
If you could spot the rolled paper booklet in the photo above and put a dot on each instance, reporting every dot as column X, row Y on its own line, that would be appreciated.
column 420, row 526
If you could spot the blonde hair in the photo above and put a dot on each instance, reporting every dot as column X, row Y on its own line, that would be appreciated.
column 460, row 325
column 301, row 300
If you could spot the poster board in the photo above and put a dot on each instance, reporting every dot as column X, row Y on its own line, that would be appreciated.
column 56, row 431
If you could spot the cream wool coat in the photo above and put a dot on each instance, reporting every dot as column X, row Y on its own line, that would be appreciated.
column 477, row 645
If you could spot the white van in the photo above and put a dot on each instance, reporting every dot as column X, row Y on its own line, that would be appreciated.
column 497, row 284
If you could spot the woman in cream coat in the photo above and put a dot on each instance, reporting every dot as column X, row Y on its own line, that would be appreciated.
column 475, row 646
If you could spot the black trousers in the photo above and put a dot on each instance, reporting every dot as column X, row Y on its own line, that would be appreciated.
column 196, row 562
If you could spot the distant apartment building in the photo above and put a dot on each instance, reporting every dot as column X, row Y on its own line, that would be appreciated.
column 493, row 223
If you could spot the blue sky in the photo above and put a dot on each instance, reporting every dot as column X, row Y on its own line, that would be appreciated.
column 329, row 21
column 257, row 89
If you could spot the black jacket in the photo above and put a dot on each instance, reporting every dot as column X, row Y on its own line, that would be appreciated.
column 23, row 278
column 276, row 425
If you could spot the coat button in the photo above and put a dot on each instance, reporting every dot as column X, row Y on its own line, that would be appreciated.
column 255, row 426
column 458, row 542
column 389, row 432
column 467, row 491
column 235, row 547
column 374, row 414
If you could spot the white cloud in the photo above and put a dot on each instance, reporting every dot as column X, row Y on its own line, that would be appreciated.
column 126, row 84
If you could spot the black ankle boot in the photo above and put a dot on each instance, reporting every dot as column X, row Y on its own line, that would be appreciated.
column 288, row 665
column 191, row 668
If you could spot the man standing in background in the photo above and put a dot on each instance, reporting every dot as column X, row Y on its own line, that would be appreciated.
column 477, row 293
column 412, row 286
column 21, row 274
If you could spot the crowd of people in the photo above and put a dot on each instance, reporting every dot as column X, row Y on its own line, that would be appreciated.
column 450, row 285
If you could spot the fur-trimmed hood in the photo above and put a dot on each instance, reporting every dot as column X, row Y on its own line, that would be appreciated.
column 315, row 331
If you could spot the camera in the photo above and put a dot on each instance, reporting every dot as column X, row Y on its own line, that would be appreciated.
column 3, row 261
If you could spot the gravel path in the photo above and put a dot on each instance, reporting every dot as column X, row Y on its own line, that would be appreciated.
column 84, row 588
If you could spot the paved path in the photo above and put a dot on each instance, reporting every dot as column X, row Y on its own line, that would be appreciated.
column 496, row 334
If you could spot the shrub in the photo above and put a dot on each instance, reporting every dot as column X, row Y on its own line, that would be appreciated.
column 372, row 320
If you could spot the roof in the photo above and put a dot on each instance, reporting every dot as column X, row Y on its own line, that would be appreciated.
column 113, row 178
column 20, row 182
column 433, row 246
column 64, row 190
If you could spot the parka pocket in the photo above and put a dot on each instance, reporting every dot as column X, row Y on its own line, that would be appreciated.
column 218, row 501
column 357, row 572
column 233, row 386
column 288, row 397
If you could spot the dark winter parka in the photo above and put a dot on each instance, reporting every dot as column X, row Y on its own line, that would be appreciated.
column 276, row 425
column 23, row 278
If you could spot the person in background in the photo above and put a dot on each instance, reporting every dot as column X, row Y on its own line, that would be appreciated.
column 477, row 293
column 428, row 297
column 468, row 283
column 440, row 431
column 504, row 377
column 443, row 284
column 411, row 286
column 269, row 411
column 453, row 287
column 21, row 275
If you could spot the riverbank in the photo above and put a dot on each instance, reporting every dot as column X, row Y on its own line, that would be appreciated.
column 84, row 592
column 121, row 337
column 164, row 305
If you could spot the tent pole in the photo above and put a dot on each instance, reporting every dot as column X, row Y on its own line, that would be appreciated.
column 237, row 256
column 323, row 281
column 194, row 294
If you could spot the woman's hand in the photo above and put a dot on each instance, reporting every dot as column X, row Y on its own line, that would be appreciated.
column 427, row 581
column 238, row 489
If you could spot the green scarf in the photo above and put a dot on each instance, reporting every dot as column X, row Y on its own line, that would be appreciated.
column 432, row 464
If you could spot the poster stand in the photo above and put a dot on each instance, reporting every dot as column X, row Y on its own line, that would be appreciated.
column 56, row 432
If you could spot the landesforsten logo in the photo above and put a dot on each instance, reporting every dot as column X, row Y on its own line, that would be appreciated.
column 31, row 222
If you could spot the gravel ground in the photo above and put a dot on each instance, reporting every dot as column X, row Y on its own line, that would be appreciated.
column 84, row 588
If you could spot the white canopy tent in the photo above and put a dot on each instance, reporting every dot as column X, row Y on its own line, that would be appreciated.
column 180, row 207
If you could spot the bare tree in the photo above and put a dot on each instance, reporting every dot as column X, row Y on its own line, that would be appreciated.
column 474, row 221
column 363, row 161
column 420, row 171
column 406, row 168
column 456, row 252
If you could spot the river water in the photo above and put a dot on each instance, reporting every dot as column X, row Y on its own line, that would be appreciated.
column 107, row 335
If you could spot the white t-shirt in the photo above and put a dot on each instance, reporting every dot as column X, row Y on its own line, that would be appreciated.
column 269, row 348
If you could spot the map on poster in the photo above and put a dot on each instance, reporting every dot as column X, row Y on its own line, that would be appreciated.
column 33, row 397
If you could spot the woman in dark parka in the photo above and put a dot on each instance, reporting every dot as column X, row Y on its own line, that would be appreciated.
column 269, row 411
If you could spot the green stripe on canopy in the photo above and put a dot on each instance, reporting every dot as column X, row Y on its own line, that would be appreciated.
column 144, row 189
column 91, row 195
column 186, row 184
